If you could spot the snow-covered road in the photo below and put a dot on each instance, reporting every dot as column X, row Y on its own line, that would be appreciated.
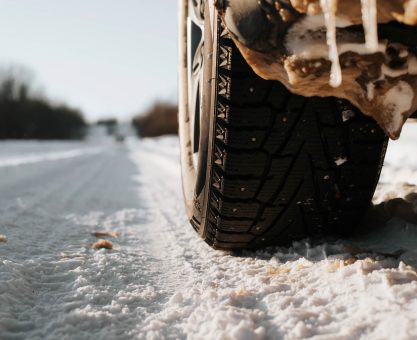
column 160, row 281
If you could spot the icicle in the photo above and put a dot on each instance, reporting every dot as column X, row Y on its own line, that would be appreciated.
column 370, row 24
column 329, row 8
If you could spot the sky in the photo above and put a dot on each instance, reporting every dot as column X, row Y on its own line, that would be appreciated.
column 105, row 57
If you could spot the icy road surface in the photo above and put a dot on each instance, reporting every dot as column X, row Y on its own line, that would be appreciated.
column 160, row 281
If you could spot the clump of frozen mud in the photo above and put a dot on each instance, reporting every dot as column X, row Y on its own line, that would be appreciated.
column 340, row 38
column 102, row 244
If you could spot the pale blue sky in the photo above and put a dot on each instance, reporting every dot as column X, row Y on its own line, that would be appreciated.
column 107, row 57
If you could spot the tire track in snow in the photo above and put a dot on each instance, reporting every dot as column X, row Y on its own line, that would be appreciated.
column 55, row 283
column 164, row 202
column 41, row 278
column 45, row 157
column 192, row 309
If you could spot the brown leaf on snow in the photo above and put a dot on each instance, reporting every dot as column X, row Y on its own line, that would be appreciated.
column 101, row 234
column 3, row 238
column 102, row 244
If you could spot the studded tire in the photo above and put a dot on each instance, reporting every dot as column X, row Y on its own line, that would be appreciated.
column 273, row 167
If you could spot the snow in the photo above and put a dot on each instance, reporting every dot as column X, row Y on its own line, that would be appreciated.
column 340, row 161
column 160, row 280
column 400, row 165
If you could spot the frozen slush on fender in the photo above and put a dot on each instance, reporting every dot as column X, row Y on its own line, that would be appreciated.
column 368, row 47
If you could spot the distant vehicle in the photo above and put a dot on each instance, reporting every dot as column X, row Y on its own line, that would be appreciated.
column 266, row 162
column 120, row 138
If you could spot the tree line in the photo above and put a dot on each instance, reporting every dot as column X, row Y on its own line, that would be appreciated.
column 159, row 119
column 27, row 115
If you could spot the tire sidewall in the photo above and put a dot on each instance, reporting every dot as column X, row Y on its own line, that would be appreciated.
column 196, row 202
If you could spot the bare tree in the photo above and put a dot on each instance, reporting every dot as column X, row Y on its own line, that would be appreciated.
column 160, row 119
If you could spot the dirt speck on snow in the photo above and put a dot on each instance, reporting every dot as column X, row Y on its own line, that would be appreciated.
column 102, row 234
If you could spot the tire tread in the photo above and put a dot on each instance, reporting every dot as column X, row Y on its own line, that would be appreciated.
column 284, row 166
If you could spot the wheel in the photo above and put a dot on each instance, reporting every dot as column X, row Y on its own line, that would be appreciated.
column 260, row 165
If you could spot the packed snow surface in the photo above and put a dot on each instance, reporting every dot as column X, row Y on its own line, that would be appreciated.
column 160, row 280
